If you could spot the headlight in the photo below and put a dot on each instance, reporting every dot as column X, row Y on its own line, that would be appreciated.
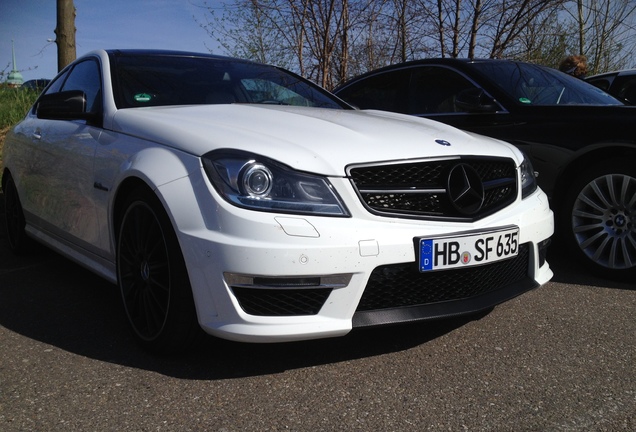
column 258, row 183
column 528, row 178
column 257, row 180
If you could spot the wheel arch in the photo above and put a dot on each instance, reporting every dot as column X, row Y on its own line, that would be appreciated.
column 150, row 168
column 596, row 216
column 5, row 176
column 585, row 160
column 121, row 197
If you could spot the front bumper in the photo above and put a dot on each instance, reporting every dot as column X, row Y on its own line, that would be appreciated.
column 266, row 277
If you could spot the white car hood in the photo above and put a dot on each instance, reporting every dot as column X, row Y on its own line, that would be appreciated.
column 323, row 141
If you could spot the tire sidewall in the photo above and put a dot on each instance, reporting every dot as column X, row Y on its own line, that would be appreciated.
column 180, row 324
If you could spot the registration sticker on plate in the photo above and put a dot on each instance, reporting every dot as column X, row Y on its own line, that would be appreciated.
column 468, row 249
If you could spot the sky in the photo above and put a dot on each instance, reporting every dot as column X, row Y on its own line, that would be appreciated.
column 154, row 24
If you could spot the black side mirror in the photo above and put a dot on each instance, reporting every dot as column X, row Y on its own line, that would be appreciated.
column 475, row 100
column 67, row 105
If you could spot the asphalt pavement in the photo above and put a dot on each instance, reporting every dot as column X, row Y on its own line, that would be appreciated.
column 559, row 358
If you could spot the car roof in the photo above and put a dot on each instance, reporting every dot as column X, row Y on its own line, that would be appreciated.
column 168, row 53
column 622, row 72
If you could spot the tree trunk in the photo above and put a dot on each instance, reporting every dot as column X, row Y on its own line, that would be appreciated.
column 474, row 29
column 65, row 33
column 581, row 23
column 457, row 28
column 440, row 28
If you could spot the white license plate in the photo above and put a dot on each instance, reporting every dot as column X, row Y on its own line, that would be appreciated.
column 469, row 249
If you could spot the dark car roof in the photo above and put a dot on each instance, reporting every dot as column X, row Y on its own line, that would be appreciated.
column 622, row 72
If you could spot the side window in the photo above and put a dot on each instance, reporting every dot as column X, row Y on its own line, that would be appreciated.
column 434, row 89
column 85, row 76
column 55, row 87
column 385, row 91
column 602, row 83
column 57, row 84
column 626, row 90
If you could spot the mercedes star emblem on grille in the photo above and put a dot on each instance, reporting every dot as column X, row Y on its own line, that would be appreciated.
column 465, row 189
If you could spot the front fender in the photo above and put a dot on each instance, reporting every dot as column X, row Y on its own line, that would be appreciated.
column 157, row 166
column 171, row 176
column 123, row 163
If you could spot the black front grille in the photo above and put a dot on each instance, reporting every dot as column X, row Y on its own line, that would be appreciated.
column 421, row 189
column 403, row 285
column 281, row 302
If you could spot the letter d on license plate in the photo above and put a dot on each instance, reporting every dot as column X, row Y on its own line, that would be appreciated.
column 468, row 249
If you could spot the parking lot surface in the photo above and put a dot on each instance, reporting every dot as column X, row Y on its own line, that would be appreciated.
column 559, row 358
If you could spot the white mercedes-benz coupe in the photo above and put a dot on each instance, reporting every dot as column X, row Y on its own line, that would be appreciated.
column 239, row 198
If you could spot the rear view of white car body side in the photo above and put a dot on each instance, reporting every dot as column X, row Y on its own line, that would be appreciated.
column 267, row 212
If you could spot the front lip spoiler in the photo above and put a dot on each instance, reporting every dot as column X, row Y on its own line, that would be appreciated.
column 441, row 310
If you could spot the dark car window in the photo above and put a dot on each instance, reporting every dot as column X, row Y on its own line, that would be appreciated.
column 85, row 76
column 57, row 84
column 624, row 88
column 384, row 91
column 530, row 84
column 602, row 83
column 179, row 80
column 433, row 90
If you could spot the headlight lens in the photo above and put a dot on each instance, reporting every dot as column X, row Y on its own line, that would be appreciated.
column 257, row 180
column 528, row 178
column 258, row 183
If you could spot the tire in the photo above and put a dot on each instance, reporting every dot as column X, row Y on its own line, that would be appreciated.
column 598, row 219
column 14, row 218
column 152, row 277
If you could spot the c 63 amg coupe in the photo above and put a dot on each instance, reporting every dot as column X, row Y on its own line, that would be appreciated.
column 241, row 199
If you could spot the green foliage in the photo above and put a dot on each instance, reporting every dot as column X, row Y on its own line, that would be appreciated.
column 14, row 104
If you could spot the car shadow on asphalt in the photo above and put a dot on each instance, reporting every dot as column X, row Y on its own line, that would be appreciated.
column 47, row 298
column 570, row 271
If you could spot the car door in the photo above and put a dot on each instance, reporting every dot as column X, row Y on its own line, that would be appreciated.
column 58, row 184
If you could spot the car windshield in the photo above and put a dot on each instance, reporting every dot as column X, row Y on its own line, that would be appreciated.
column 530, row 84
column 159, row 80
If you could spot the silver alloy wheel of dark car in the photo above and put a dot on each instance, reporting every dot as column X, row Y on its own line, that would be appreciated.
column 152, row 277
column 14, row 217
column 603, row 219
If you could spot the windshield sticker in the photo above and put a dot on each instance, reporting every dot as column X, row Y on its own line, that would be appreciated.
column 142, row 97
column 525, row 100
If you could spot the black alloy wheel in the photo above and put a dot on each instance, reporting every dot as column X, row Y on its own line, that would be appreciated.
column 599, row 219
column 153, row 278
